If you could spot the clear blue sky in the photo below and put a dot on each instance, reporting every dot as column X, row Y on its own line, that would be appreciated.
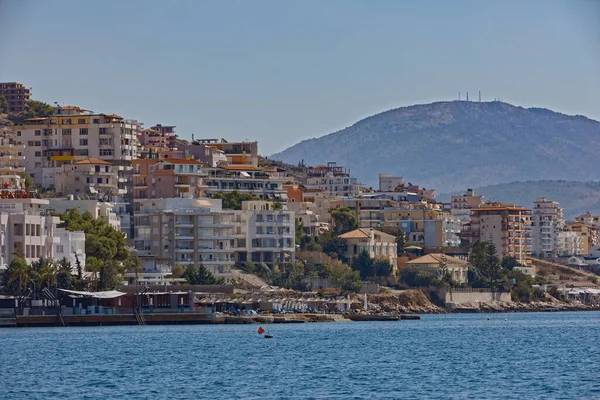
column 282, row 71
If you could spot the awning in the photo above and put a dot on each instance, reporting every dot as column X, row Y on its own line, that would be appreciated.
column 109, row 294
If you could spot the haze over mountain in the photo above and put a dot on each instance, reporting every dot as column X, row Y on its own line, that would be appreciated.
column 453, row 145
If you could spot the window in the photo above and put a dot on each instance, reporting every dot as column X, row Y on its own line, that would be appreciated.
column 81, row 152
column 38, row 143
column 38, row 153
column 47, row 132
column 38, row 132
column 67, row 121
column 83, row 131
column 88, row 180
column 103, row 131
column 59, row 248
column 18, row 133
column 98, row 180
column 105, row 142
column 44, row 143
column 66, row 131
column 106, row 152
column 83, row 142
column 30, row 143
column 81, row 121
column 96, row 120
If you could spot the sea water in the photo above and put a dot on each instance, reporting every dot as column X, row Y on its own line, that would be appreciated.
column 524, row 356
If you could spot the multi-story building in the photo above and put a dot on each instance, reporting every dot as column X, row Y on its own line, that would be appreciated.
column 264, row 234
column 187, row 232
column 589, row 235
column 460, row 206
column 546, row 223
column 236, row 153
column 378, row 244
column 72, row 135
column 156, row 178
column 333, row 179
column 91, row 176
column 168, row 132
column 10, row 169
column 507, row 226
column 390, row 183
column 28, row 231
column 264, row 183
column 569, row 244
column 98, row 209
column 16, row 95
column 308, row 215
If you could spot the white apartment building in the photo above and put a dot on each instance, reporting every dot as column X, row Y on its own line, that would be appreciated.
column 71, row 245
column 72, row 135
column 460, row 206
column 263, row 234
column 569, row 244
column 546, row 224
column 10, row 169
column 264, row 183
column 333, row 180
column 98, row 209
column 26, row 228
column 187, row 232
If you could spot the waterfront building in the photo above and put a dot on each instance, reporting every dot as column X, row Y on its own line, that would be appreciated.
column 16, row 95
column 187, row 232
column 27, row 230
column 264, row 234
column 379, row 245
column 506, row 225
column 458, row 269
column 546, row 224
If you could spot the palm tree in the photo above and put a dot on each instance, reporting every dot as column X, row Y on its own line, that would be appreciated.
column 19, row 272
column 47, row 275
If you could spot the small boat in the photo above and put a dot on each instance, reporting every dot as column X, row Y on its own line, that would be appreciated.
column 268, row 337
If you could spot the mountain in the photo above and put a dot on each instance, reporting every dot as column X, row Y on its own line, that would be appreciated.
column 575, row 198
column 459, row 144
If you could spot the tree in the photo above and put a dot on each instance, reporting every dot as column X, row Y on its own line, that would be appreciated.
column 16, row 277
column 344, row 278
column 401, row 241
column 233, row 200
column 299, row 229
column 33, row 109
column 485, row 261
column 276, row 205
column 177, row 271
column 199, row 275
column 364, row 265
column 344, row 221
column 263, row 270
column 509, row 263
column 414, row 276
column 382, row 267
column 3, row 105
column 28, row 180
column 64, row 275
column 335, row 246
column 104, row 246
column 250, row 267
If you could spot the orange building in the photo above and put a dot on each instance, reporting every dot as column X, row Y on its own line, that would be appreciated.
column 294, row 193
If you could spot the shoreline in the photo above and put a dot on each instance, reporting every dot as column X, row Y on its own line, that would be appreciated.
column 292, row 318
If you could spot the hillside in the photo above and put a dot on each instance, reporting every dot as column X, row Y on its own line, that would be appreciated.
column 575, row 197
column 459, row 144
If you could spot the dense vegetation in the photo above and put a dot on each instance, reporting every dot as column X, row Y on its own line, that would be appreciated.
column 233, row 200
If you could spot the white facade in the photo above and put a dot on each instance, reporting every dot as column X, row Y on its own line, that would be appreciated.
column 569, row 244
column 389, row 183
column 27, row 229
column 335, row 185
column 546, row 224
column 187, row 232
column 264, row 235
column 71, row 245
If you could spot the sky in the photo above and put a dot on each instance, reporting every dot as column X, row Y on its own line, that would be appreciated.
column 283, row 71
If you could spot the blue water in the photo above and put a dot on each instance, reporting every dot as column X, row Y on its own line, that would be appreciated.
column 533, row 355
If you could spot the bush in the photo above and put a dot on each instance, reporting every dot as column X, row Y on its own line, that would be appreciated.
column 414, row 276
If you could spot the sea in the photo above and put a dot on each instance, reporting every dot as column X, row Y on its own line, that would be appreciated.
column 455, row 356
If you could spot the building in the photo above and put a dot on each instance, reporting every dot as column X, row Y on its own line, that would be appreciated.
column 156, row 178
column 507, row 226
column 546, row 224
column 307, row 214
column 187, row 232
column 236, row 153
column 569, row 244
column 27, row 230
column 70, row 246
column 589, row 235
column 457, row 269
column 264, row 234
column 390, row 183
column 460, row 206
column 379, row 245
column 264, row 183
column 97, row 208
column 333, row 179
column 168, row 132
column 16, row 95
column 294, row 192
column 91, row 176
column 10, row 168
column 73, row 135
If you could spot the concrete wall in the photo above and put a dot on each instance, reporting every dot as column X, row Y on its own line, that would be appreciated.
column 461, row 296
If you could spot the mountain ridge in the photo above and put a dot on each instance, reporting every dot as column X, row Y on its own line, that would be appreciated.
column 457, row 144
